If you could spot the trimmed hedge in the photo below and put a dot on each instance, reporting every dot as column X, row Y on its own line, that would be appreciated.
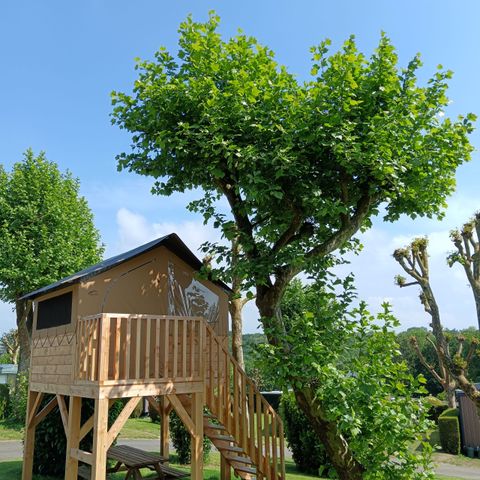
column 308, row 452
column 449, row 428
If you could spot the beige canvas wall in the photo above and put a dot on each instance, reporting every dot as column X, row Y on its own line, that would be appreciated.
column 141, row 285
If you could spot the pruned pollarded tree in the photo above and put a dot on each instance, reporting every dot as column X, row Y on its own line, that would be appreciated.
column 467, row 244
column 9, row 341
column 302, row 166
column 453, row 366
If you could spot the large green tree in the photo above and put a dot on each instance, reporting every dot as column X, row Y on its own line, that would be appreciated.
column 301, row 166
column 46, row 233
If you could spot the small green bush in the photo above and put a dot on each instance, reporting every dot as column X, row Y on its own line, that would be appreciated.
column 18, row 398
column 4, row 401
column 308, row 452
column 435, row 407
column 50, row 440
column 449, row 429
column 181, row 440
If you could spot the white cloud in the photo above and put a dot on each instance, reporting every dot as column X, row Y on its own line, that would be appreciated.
column 134, row 229
column 375, row 269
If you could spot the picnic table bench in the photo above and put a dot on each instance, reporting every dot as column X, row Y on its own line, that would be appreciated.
column 132, row 459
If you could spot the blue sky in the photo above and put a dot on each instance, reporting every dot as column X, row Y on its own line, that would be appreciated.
column 61, row 60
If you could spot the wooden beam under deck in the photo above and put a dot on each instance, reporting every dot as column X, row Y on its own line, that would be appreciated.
column 119, row 391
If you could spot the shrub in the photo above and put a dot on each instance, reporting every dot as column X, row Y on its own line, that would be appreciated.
column 19, row 398
column 4, row 401
column 308, row 453
column 449, row 428
column 181, row 440
column 435, row 407
column 154, row 416
column 50, row 440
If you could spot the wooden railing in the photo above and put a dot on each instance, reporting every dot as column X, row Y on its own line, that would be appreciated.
column 237, row 403
column 121, row 348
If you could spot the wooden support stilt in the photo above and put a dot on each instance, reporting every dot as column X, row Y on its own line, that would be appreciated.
column 100, row 435
column 197, row 437
column 225, row 469
column 73, row 437
column 28, row 448
column 165, row 409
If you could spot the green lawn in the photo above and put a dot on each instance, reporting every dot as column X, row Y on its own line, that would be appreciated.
column 140, row 428
column 134, row 428
column 137, row 428
column 13, row 470
column 10, row 431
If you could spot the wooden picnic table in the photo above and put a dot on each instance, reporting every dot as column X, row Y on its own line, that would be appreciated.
column 133, row 459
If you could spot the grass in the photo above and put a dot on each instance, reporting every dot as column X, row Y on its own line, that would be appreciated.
column 140, row 428
column 134, row 428
column 10, row 431
column 144, row 428
column 13, row 471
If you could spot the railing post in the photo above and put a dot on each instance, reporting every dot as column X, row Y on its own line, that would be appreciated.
column 104, row 347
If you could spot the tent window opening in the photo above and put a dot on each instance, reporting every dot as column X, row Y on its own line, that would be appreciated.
column 55, row 311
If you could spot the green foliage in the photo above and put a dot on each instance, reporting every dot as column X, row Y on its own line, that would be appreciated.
column 350, row 359
column 5, row 358
column 9, row 340
column 428, row 351
column 254, row 367
column 19, row 398
column 449, row 428
column 46, row 227
column 181, row 440
column 360, row 133
column 51, row 443
column 4, row 401
column 435, row 406
column 307, row 450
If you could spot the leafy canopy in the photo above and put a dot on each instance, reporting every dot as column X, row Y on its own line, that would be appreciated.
column 46, row 227
column 303, row 166
column 351, row 360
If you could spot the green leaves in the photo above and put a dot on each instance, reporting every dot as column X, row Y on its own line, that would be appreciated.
column 350, row 359
column 223, row 116
column 46, row 227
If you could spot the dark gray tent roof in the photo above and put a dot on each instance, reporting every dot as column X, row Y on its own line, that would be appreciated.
column 172, row 242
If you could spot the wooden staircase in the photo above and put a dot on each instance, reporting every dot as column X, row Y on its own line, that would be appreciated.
column 242, row 425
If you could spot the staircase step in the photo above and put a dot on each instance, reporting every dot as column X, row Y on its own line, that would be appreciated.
column 222, row 438
column 234, row 458
column 214, row 426
column 230, row 448
column 245, row 476
column 251, row 471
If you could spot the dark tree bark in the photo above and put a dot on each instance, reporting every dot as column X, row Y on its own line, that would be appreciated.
column 24, row 325
column 339, row 453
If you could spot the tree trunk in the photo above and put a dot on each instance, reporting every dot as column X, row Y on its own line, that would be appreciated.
column 451, row 399
column 235, row 307
column 338, row 450
column 335, row 444
column 24, row 325
column 476, row 296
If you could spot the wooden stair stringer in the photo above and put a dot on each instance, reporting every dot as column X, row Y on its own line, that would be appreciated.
column 225, row 443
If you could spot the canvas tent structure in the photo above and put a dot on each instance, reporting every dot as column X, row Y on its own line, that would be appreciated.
column 143, row 324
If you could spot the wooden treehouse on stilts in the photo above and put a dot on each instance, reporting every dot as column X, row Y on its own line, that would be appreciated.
column 169, row 344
